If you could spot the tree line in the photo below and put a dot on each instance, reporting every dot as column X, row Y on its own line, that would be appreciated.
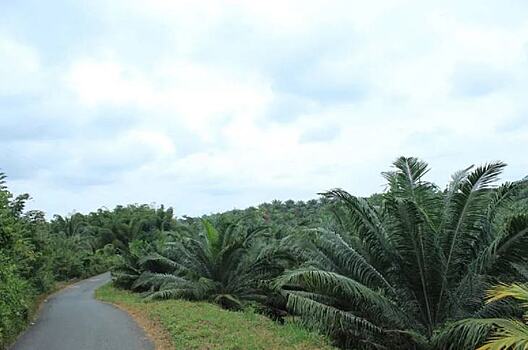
column 409, row 268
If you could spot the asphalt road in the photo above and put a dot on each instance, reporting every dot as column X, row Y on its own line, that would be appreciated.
column 73, row 320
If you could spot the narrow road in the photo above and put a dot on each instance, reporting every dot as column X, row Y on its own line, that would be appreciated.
column 73, row 320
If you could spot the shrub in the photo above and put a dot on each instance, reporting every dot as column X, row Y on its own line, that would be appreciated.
column 16, row 296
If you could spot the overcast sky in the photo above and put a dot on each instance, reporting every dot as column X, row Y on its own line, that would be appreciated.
column 211, row 105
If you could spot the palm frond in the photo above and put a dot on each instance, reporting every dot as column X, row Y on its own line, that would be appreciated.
column 508, row 247
column 368, row 224
column 213, row 237
column 467, row 205
column 509, row 334
column 349, row 260
column 157, row 280
column 463, row 335
column 332, row 318
column 515, row 290
column 343, row 288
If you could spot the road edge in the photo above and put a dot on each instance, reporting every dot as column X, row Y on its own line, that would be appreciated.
column 38, row 303
column 152, row 327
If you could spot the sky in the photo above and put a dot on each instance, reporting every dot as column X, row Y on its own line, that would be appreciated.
column 212, row 105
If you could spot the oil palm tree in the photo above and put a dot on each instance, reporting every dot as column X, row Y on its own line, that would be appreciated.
column 394, row 274
column 127, row 268
column 508, row 333
column 74, row 225
column 226, row 263
column 503, row 333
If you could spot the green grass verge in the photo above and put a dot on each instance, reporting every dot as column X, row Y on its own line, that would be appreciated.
column 200, row 325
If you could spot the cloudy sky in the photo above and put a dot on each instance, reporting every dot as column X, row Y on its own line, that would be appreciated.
column 210, row 105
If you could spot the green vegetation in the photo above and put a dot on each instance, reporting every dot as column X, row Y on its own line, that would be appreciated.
column 35, row 254
column 404, row 269
column 505, row 333
column 199, row 325
column 228, row 265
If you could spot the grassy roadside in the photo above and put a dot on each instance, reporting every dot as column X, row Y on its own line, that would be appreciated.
column 179, row 324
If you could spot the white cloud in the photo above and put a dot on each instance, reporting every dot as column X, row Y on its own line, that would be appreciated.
column 196, row 95
column 19, row 67
column 210, row 105
column 108, row 83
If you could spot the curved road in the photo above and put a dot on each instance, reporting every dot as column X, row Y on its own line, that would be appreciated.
column 73, row 320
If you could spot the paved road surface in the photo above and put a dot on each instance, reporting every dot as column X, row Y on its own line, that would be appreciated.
column 73, row 320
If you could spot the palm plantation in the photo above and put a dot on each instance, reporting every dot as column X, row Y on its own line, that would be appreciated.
column 393, row 276
column 405, row 269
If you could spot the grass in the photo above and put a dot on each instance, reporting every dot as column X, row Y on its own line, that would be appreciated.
column 200, row 325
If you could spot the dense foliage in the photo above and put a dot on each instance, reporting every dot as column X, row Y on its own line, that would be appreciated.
column 404, row 269
column 25, row 269
column 35, row 253
column 396, row 274
column 229, row 263
column 504, row 333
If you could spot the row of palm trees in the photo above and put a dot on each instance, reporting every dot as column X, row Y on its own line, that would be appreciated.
column 408, row 270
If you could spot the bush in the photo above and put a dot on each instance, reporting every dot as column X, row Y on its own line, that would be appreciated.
column 16, row 296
